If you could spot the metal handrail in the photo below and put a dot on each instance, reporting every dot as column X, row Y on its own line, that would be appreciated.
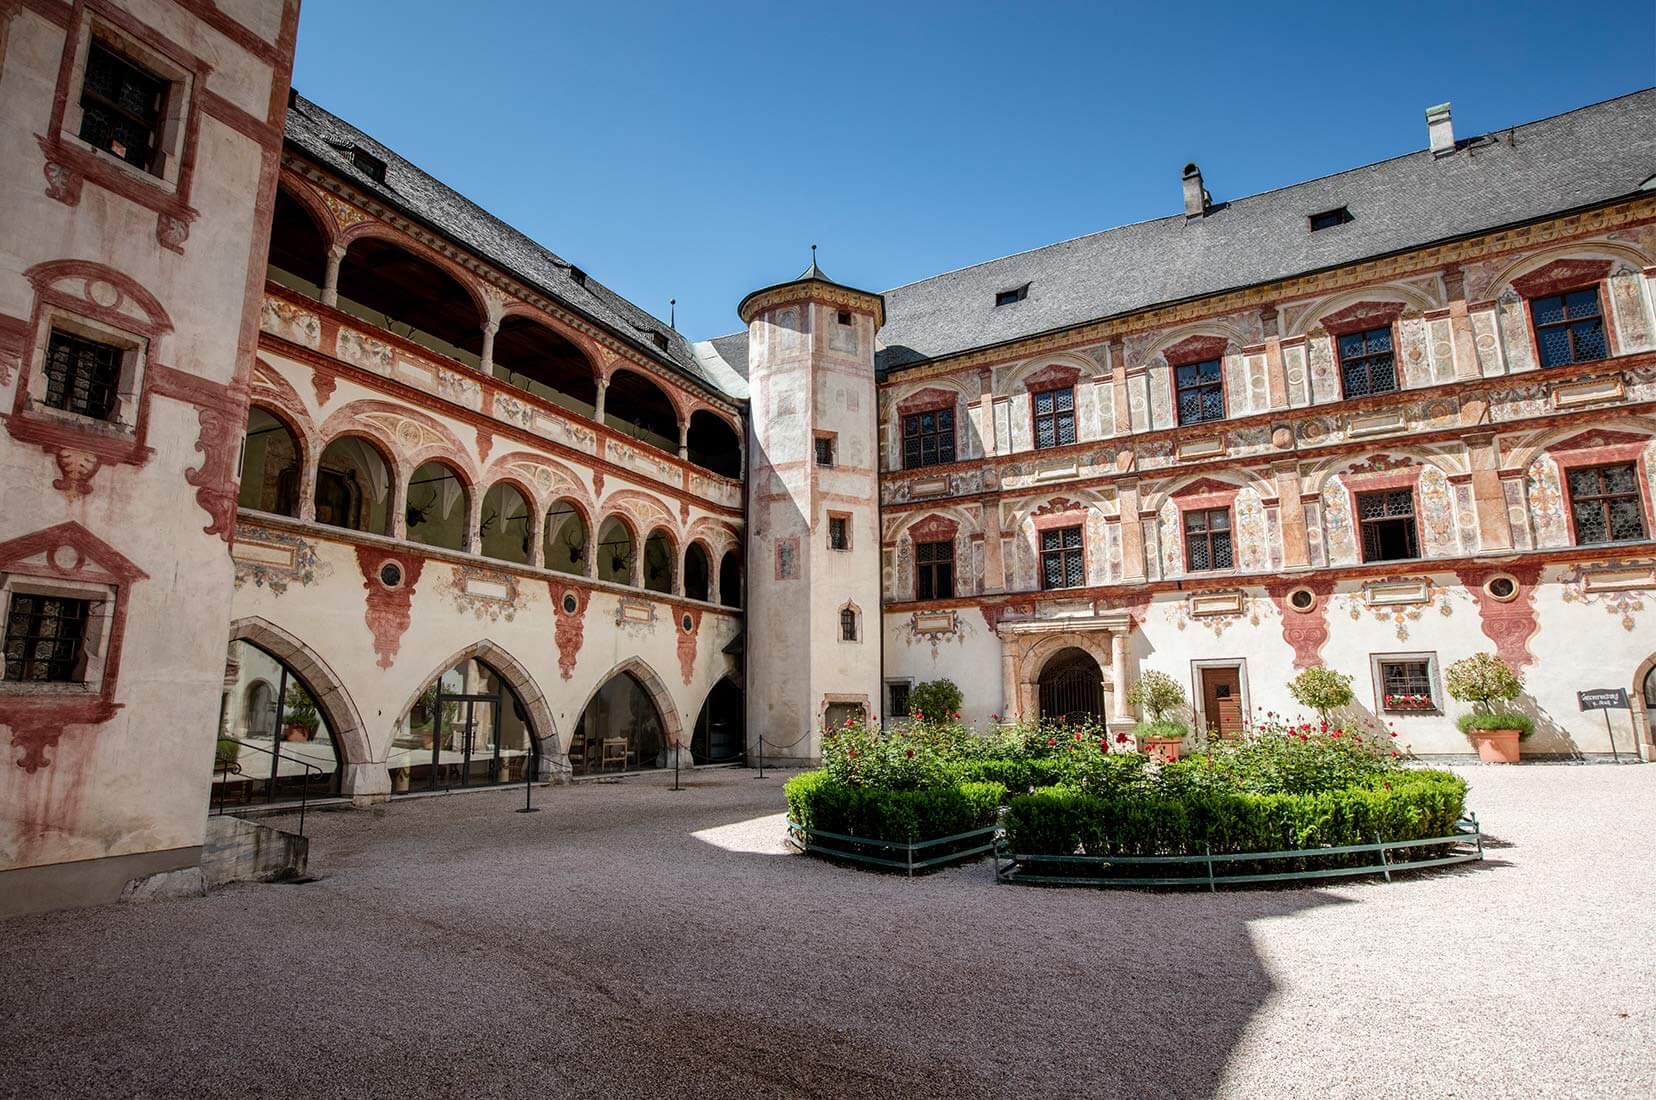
column 228, row 767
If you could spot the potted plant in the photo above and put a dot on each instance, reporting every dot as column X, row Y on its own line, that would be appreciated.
column 1321, row 689
column 300, row 715
column 1484, row 680
column 1154, row 694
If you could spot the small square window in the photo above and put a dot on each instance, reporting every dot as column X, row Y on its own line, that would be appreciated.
column 1008, row 297
column 44, row 638
column 844, row 317
column 1054, row 417
column 1063, row 564
column 928, row 439
column 1569, row 328
column 934, row 570
column 121, row 107
column 82, row 376
column 658, row 338
column 897, row 695
column 1328, row 219
column 1368, row 364
column 824, row 450
column 839, row 533
column 1200, row 391
column 1406, row 685
column 1207, row 539
column 1606, row 503
column 1387, row 522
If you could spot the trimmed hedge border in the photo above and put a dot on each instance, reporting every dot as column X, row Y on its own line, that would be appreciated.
column 867, row 824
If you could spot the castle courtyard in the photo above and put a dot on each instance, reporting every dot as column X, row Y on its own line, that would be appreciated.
column 630, row 937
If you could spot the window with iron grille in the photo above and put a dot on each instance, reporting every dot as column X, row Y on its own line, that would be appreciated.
column 1569, row 328
column 898, row 701
column 824, row 451
column 1368, row 362
column 1406, row 685
column 1200, row 391
column 121, row 107
column 1062, row 562
column 934, row 570
column 848, row 625
column 1055, row 417
column 1606, row 503
column 928, row 438
column 839, row 533
column 81, row 375
column 1387, row 521
column 44, row 635
column 1207, row 539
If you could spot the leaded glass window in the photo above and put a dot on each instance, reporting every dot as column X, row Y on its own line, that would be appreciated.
column 44, row 635
column 1607, row 504
column 1208, row 539
column 1368, row 362
column 1569, row 328
column 1387, row 521
column 928, row 438
column 1200, row 391
column 1062, row 563
column 121, row 107
column 848, row 625
column 81, row 375
column 1054, row 417
column 934, row 570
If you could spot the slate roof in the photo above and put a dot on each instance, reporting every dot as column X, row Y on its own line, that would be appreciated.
column 329, row 140
column 1579, row 159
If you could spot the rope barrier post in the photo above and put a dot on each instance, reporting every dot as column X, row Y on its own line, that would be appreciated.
column 761, row 774
column 529, row 806
column 678, row 751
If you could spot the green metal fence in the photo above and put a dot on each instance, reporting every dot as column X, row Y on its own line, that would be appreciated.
column 1465, row 845
column 893, row 855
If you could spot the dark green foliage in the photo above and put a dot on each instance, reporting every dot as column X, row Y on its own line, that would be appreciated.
column 817, row 801
column 935, row 701
column 1500, row 720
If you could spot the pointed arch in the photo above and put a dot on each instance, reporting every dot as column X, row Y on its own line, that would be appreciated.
column 324, row 684
column 672, row 726
column 517, row 677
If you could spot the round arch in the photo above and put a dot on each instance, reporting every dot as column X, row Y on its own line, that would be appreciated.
column 1070, row 686
column 273, row 462
column 350, row 492
column 660, row 561
column 697, row 570
column 539, row 714
column 509, row 522
column 566, row 537
column 300, row 238
column 615, row 549
column 637, row 405
column 325, row 686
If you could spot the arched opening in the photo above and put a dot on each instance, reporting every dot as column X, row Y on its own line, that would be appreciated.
column 507, row 528
column 398, row 291
column 353, row 486
column 637, row 407
column 467, row 729
column 620, row 730
column 274, row 743
column 720, row 735
column 566, row 538
column 713, row 444
column 298, row 247
column 697, row 572
column 730, row 579
column 658, row 562
column 269, row 466
column 1072, row 687
column 615, row 552
column 533, row 358
column 438, row 507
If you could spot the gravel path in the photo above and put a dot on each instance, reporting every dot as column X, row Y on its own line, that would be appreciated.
column 631, row 940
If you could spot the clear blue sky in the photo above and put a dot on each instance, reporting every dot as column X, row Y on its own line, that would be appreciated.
column 696, row 150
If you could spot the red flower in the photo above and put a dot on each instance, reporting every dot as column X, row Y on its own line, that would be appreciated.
column 1051, row 742
column 1336, row 733
column 852, row 753
column 1121, row 738
column 910, row 752
column 957, row 716
column 1394, row 733
column 1103, row 744
column 1305, row 737
column 1078, row 735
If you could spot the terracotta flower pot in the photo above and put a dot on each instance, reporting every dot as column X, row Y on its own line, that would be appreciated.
column 1165, row 749
column 1496, row 746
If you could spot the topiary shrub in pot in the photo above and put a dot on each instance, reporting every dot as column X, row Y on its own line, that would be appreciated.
column 1485, row 681
column 1155, row 694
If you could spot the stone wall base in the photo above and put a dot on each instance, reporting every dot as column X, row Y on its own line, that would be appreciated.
column 93, row 881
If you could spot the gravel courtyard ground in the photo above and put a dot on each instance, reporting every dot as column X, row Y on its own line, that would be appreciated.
column 631, row 940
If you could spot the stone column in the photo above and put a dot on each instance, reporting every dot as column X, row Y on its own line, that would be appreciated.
column 366, row 783
column 487, row 358
column 1488, row 498
column 1118, row 676
column 330, row 278
column 537, row 541
column 1460, row 326
column 399, row 502
column 1132, row 531
column 684, row 439
column 1011, row 705
column 1296, row 547
column 598, row 409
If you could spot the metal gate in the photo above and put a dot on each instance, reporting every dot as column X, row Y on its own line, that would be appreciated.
column 1072, row 688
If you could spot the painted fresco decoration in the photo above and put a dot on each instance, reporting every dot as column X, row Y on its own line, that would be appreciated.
column 1401, row 616
column 569, row 604
column 1623, row 600
column 276, row 560
column 689, row 633
column 490, row 595
column 388, row 578
column 935, row 629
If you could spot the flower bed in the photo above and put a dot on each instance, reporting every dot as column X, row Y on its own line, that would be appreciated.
column 913, row 829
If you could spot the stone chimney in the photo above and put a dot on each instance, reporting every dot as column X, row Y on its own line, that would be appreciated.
column 1440, row 130
column 1195, row 195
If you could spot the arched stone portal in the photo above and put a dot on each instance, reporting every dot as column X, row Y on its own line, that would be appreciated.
column 552, row 762
column 1071, row 687
column 631, row 703
column 720, row 736
column 1027, row 645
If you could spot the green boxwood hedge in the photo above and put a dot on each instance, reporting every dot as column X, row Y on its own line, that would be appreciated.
column 1402, row 805
column 817, row 801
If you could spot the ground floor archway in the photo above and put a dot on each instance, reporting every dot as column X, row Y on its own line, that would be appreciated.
column 1072, row 687
column 629, row 723
column 720, row 735
column 468, row 728
column 275, row 743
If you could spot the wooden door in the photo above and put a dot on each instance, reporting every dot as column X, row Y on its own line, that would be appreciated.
column 1222, row 701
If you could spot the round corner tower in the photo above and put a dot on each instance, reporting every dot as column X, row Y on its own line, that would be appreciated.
column 813, row 614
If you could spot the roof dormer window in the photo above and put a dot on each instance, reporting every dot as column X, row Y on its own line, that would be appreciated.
column 658, row 338
column 1328, row 219
column 368, row 164
column 1016, row 294
column 577, row 275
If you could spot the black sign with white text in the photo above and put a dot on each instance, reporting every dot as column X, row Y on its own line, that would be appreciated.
column 1602, row 699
